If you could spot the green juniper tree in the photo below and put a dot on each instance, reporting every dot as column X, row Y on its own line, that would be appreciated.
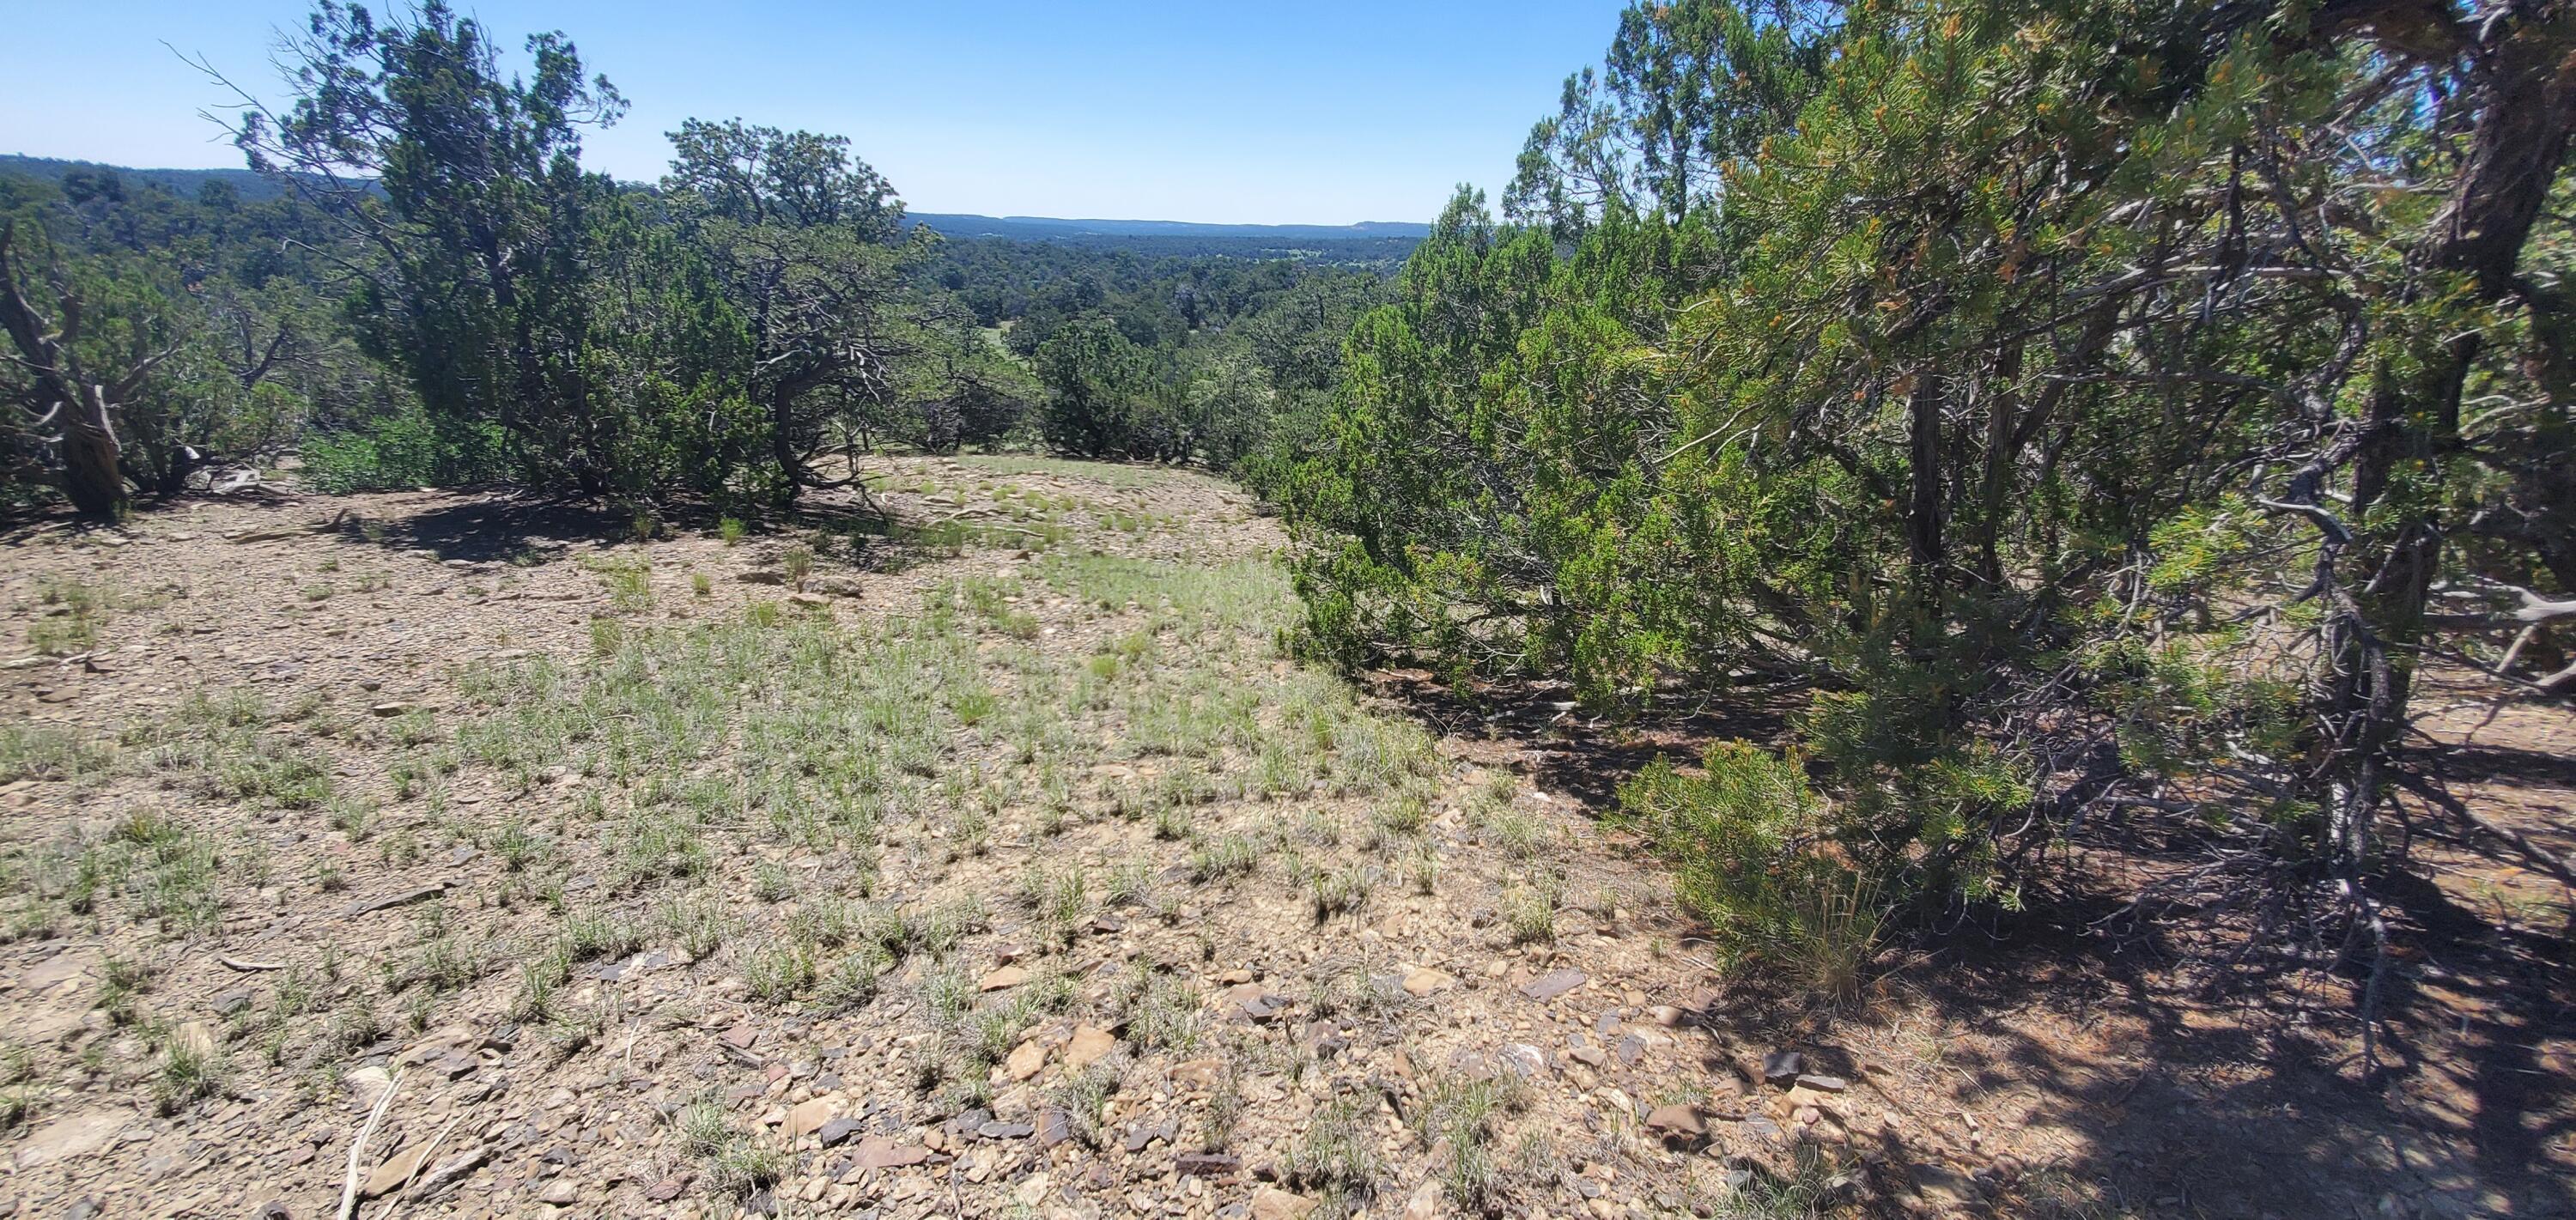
column 805, row 243
column 2090, row 404
column 465, row 189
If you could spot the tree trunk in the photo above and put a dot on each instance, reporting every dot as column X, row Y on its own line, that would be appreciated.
column 1923, row 514
column 92, row 476
column 782, row 447
column 2375, row 629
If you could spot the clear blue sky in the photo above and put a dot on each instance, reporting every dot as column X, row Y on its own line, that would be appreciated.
column 1216, row 110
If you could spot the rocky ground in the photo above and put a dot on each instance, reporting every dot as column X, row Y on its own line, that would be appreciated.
column 468, row 856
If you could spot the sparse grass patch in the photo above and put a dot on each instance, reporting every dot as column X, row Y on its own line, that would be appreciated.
column 629, row 582
column 40, row 751
column 1341, row 890
column 1529, row 914
column 1230, row 855
column 70, row 616
column 735, row 1162
column 1337, row 1157
column 188, row 1071
column 779, row 972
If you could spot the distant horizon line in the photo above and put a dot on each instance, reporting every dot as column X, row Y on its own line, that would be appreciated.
column 910, row 207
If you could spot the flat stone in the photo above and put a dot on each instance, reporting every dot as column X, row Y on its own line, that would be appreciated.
column 393, row 1171
column 366, row 1084
column 1522, row 1060
column 1822, row 1084
column 1781, row 1066
column 838, row 1131
column 72, row 1135
column 1026, row 1060
column 1206, row 1164
column 808, row 1117
column 1272, row 1203
column 1249, row 1002
column 880, row 1152
column 1678, row 1123
column 1422, row 981
column 1554, row 983
column 1090, row 1045
column 1053, row 1128
column 1006, row 977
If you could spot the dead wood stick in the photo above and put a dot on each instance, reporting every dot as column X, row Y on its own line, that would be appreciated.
column 358, row 1150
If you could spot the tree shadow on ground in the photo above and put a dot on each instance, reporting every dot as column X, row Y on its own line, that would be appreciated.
column 2167, row 1096
column 2157, row 1068
column 1587, row 757
column 499, row 526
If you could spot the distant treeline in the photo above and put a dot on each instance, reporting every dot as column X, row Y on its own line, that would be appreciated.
column 415, row 281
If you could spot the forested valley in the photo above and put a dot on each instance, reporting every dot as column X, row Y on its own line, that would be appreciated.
column 1939, row 607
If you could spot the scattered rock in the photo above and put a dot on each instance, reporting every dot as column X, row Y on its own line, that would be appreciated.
column 1822, row 1084
column 1026, row 1060
column 667, row 1189
column 1780, row 1067
column 1053, row 1128
column 560, row 1193
column 838, row 1131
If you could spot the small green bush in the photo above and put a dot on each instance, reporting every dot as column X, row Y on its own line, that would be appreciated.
column 1751, row 854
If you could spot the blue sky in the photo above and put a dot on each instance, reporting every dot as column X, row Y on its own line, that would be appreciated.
column 1320, row 113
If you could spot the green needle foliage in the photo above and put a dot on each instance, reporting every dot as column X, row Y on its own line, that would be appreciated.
column 2081, row 401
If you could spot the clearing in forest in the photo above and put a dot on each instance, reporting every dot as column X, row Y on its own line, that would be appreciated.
column 1008, row 868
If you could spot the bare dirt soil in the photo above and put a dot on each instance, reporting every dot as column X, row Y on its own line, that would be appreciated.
column 468, row 856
